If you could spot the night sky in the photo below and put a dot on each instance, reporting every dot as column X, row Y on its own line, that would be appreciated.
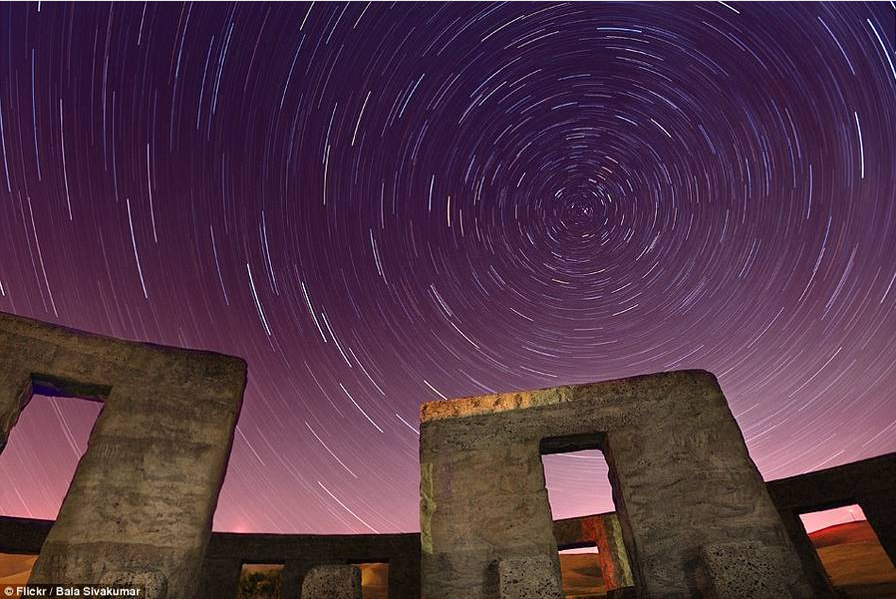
column 381, row 205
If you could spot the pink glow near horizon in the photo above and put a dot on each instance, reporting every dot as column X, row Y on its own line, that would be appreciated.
column 577, row 482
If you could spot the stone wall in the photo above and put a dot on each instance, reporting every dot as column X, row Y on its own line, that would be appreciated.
column 692, row 509
column 873, row 478
column 681, row 475
column 141, row 502
column 227, row 552
column 869, row 483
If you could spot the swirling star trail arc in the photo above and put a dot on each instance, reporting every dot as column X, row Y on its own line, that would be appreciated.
column 383, row 204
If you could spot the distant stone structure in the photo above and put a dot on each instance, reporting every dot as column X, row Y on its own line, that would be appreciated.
column 683, row 484
column 694, row 517
column 227, row 552
column 140, row 505
column 869, row 483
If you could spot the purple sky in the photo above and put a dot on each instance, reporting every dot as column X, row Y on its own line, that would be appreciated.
column 380, row 205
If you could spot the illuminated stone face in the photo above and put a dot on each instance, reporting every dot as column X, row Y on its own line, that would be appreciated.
column 141, row 502
column 680, row 471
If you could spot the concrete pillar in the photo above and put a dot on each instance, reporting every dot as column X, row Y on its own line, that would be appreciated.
column 220, row 578
column 332, row 582
column 881, row 515
column 15, row 393
column 812, row 566
column 141, row 503
column 611, row 555
column 144, row 493
column 479, row 506
column 534, row 577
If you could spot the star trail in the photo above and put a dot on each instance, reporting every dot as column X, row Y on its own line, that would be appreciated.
column 378, row 205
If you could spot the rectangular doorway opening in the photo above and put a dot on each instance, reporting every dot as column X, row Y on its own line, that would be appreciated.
column 261, row 581
column 374, row 579
column 42, row 453
column 850, row 552
column 577, row 481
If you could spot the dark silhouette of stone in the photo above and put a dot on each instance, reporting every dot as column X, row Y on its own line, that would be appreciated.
column 227, row 552
column 869, row 483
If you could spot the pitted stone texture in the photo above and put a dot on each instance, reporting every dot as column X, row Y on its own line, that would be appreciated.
column 144, row 493
column 744, row 570
column 680, row 471
column 604, row 532
column 300, row 552
column 332, row 582
column 153, row 583
column 536, row 577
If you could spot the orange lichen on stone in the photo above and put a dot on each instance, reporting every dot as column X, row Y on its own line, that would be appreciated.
column 492, row 404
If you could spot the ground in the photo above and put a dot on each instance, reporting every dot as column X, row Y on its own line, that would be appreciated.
column 850, row 553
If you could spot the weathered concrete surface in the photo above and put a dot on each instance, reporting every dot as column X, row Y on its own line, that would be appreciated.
column 869, row 483
column 299, row 553
column 332, row 582
column 533, row 577
column 142, row 498
column 681, row 475
column 604, row 532
column 227, row 552
column 744, row 570
column 153, row 582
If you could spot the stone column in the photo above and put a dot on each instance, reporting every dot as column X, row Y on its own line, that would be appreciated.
column 15, row 393
column 479, row 505
column 683, row 480
column 812, row 566
column 144, row 493
column 141, row 502
column 881, row 515
column 220, row 578
column 332, row 582
column 611, row 555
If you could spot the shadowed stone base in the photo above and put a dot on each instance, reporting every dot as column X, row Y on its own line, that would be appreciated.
column 153, row 583
column 332, row 582
column 744, row 570
column 535, row 577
